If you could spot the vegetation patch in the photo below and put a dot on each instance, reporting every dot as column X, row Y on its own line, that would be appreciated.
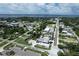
column 21, row 41
column 69, row 45
column 60, row 53
column 1, row 40
column 42, row 53
column 3, row 43
column 20, row 46
column 8, row 46
column 41, row 46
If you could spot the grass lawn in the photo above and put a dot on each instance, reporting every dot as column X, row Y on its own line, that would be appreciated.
column 22, row 41
column 42, row 53
column 50, row 25
column 3, row 43
column 69, row 40
column 33, row 50
column 20, row 46
column 1, row 40
column 62, row 44
column 41, row 47
column 8, row 46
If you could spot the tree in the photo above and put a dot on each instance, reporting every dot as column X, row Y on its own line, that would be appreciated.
column 60, row 53
column 60, row 29
column 21, row 30
column 11, row 38
column 5, row 36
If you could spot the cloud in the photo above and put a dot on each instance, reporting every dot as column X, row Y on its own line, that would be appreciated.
column 40, row 8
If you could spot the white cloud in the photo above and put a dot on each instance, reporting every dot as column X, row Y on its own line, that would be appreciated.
column 40, row 8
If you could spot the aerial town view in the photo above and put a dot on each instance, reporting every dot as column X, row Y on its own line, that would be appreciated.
column 39, row 34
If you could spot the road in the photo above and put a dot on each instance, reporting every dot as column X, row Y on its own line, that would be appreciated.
column 54, row 47
column 56, row 40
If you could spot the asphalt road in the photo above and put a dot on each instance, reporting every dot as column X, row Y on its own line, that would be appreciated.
column 56, row 40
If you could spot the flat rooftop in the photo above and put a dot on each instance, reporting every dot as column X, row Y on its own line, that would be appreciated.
column 43, row 40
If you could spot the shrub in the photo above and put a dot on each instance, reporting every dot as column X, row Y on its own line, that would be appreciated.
column 60, row 53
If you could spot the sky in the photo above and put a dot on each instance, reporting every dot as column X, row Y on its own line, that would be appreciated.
column 40, row 8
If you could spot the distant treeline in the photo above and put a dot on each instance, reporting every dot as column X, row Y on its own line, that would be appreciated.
column 25, row 18
column 71, row 21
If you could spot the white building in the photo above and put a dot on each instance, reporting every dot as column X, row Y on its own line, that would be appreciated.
column 49, row 29
column 67, row 32
column 43, row 40
column 61, row 25
column 46, row 29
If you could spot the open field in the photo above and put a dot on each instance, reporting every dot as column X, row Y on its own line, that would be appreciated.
column 21, row 41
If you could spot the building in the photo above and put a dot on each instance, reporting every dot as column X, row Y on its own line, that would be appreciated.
column 13, row 24
column 49, row 30
column 43, row 40
column 67, row 31
column 61, row 25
